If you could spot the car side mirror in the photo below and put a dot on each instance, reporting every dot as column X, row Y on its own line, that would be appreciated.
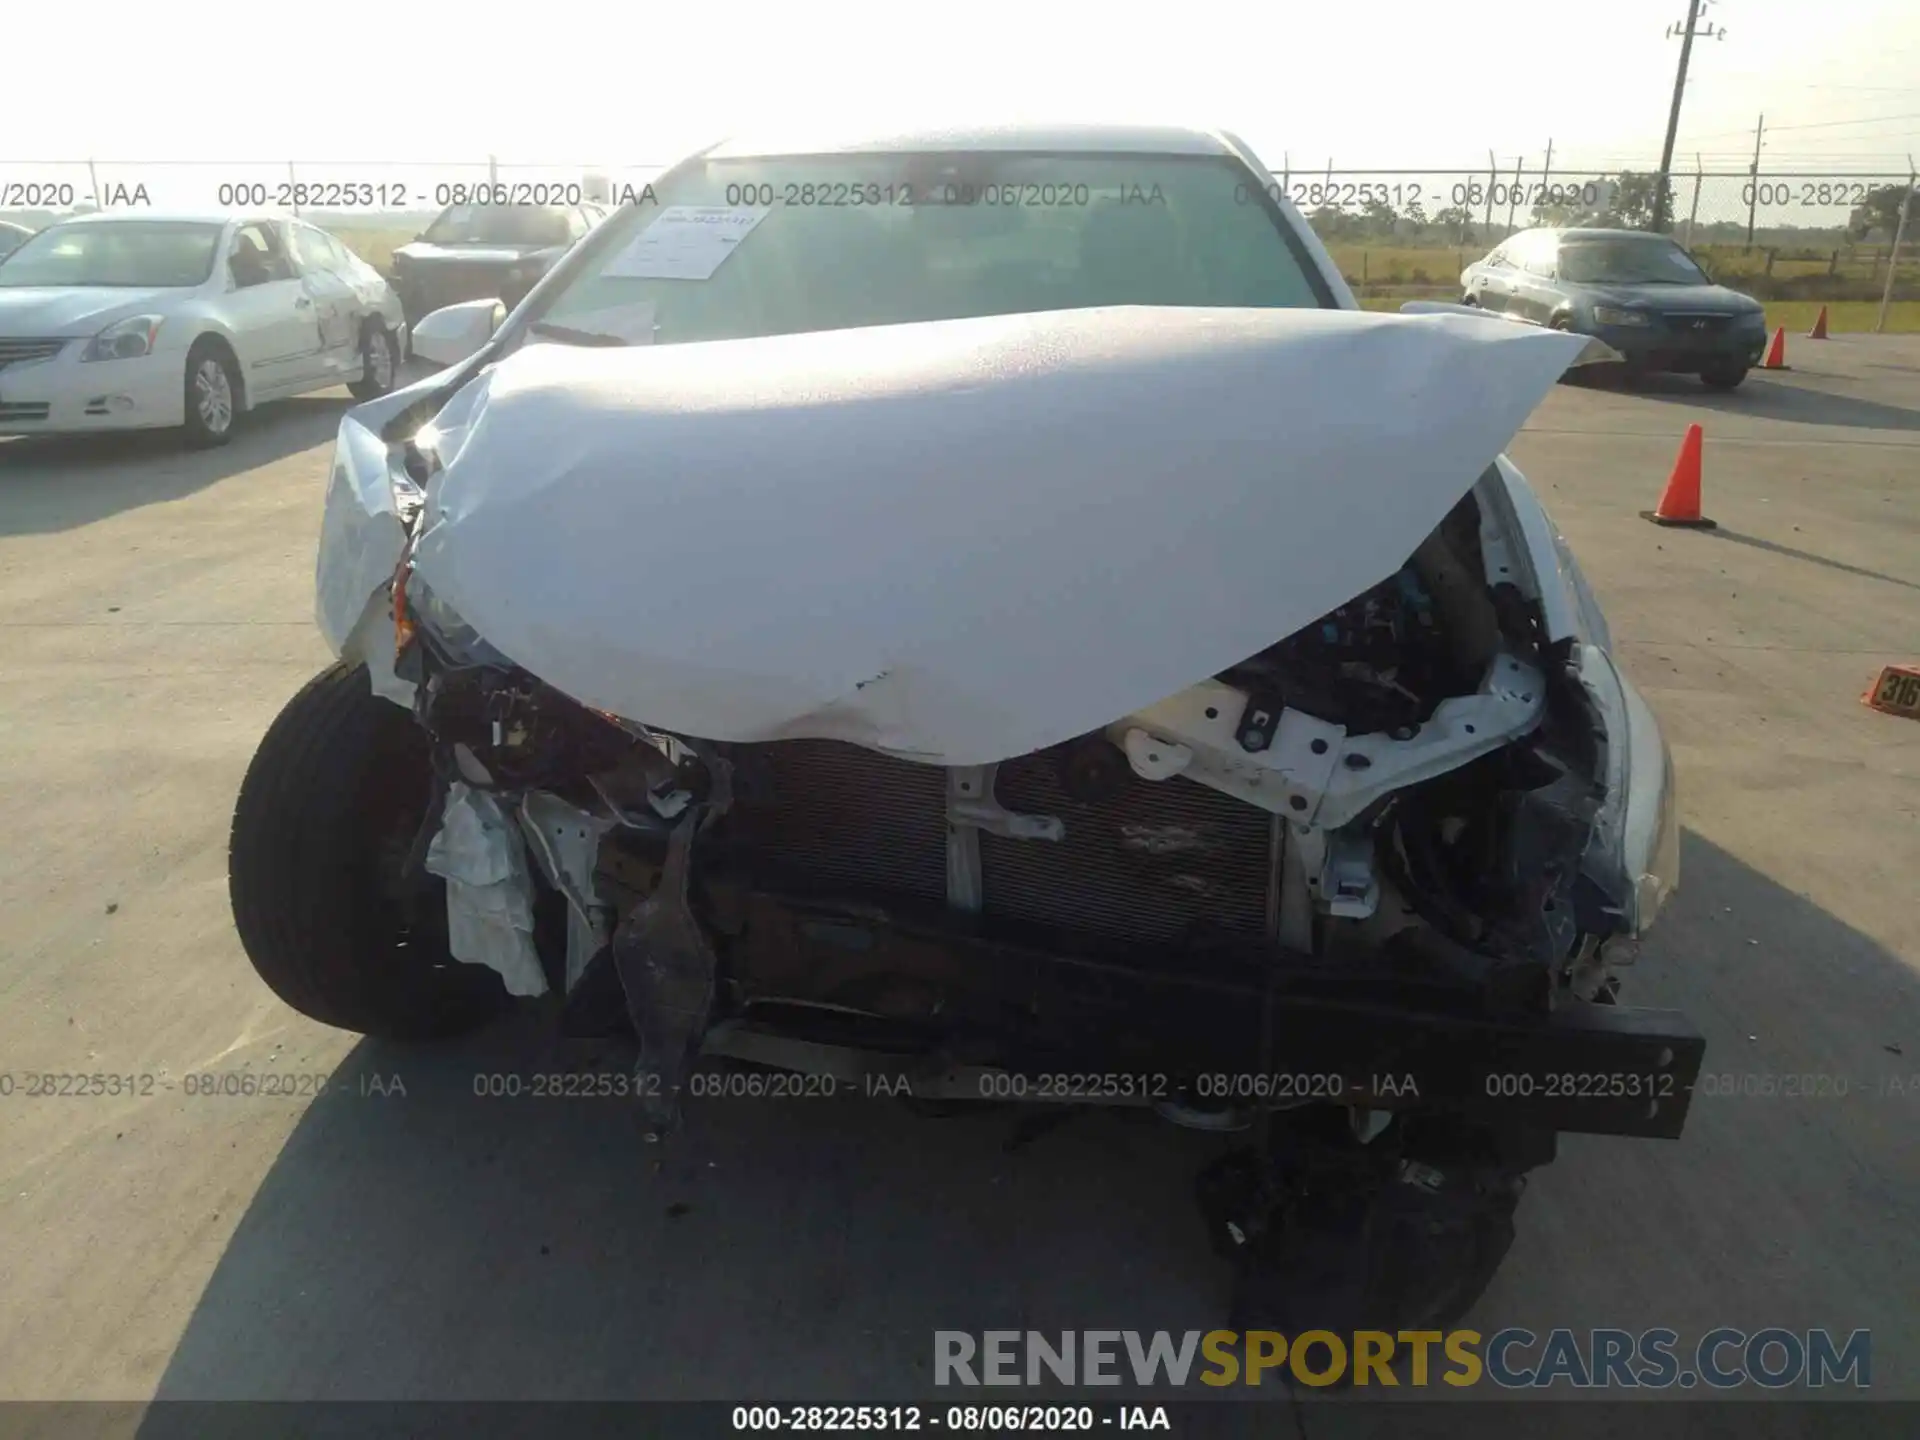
column 455, row 332
column 246, row 270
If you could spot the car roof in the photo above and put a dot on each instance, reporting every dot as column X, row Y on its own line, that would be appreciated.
column 1088, row 139
column 200, row 217
column 1594, row 232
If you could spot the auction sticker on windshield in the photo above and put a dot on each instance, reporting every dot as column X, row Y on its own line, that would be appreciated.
column 686, row 242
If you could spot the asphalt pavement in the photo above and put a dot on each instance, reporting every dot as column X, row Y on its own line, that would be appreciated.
column 401, row 1237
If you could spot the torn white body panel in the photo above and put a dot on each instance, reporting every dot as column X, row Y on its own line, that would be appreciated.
column 361, row 534
column 1314, row 773
column 566, row 842
column 478, row 852
column 370, row 643
column 962, row 541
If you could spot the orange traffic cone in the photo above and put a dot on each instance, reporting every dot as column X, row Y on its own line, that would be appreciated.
column 1680, row 502
column 1819, row 330
column 1777, row 352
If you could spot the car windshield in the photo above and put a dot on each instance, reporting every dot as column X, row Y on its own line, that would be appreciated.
column 498, row 225
column 839, row 242
column 1628, row 261
column 136, row 253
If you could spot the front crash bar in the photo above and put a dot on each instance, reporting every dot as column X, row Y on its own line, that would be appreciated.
column 1277, row 1037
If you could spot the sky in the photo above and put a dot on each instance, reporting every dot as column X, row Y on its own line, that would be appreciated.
column 351, row 88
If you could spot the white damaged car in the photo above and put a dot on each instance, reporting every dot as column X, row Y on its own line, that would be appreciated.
column 987, row 611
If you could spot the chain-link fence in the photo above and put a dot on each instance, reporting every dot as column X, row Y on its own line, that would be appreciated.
column 1799, row 234
column 1780, row 235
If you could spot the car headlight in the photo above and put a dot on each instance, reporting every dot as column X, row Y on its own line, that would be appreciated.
column 1612, row 315
column 126, row 339
column 1660, row 845
column 1636, row 850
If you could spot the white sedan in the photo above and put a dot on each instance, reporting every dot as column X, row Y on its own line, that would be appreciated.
column 136, row 320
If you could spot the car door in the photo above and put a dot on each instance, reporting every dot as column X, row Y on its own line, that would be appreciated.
column 1536, row 293
column 336, row 304
column 1487, row 285
column 1513, row 275
column 268, row 310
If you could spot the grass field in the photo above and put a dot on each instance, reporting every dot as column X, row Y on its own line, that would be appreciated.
column 1843, row 316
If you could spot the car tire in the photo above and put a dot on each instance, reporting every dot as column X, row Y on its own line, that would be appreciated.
column 1723, row 377
column 316, row 870
column 212, row 394
column 1573, row 374
column 379, row 363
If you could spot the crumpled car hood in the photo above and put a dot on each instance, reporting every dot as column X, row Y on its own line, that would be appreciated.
column 959, row 541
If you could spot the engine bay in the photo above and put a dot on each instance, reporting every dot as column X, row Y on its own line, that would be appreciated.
column 1431, row 775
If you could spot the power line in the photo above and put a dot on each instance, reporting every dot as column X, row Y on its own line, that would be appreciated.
column 1814, row 125
column 1863, row 120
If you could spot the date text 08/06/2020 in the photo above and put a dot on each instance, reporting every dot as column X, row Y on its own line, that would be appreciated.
column 962, row 1419
column 1061, row 1086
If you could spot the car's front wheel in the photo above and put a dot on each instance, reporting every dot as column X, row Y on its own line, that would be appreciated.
column 1723, row 377
column 1574, row 374
column 379, row 363
column 212, row 394
column 328, row 909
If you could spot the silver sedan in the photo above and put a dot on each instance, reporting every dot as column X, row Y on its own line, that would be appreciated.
column 137, row 320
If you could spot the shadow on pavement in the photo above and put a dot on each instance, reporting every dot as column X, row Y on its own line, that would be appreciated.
column 441, row 1245
column 61, row 482
column 1722, row 533
column 1771, row 399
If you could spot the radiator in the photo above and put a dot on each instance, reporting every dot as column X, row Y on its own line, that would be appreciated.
column 1160, row 862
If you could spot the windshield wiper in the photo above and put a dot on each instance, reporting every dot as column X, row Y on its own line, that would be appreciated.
column 567, row 335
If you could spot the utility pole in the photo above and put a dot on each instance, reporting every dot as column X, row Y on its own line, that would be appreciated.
column 1493, row 182
column 1699, row 174
column 1695, row 8
column 1753, row 177
column 1893, row 258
